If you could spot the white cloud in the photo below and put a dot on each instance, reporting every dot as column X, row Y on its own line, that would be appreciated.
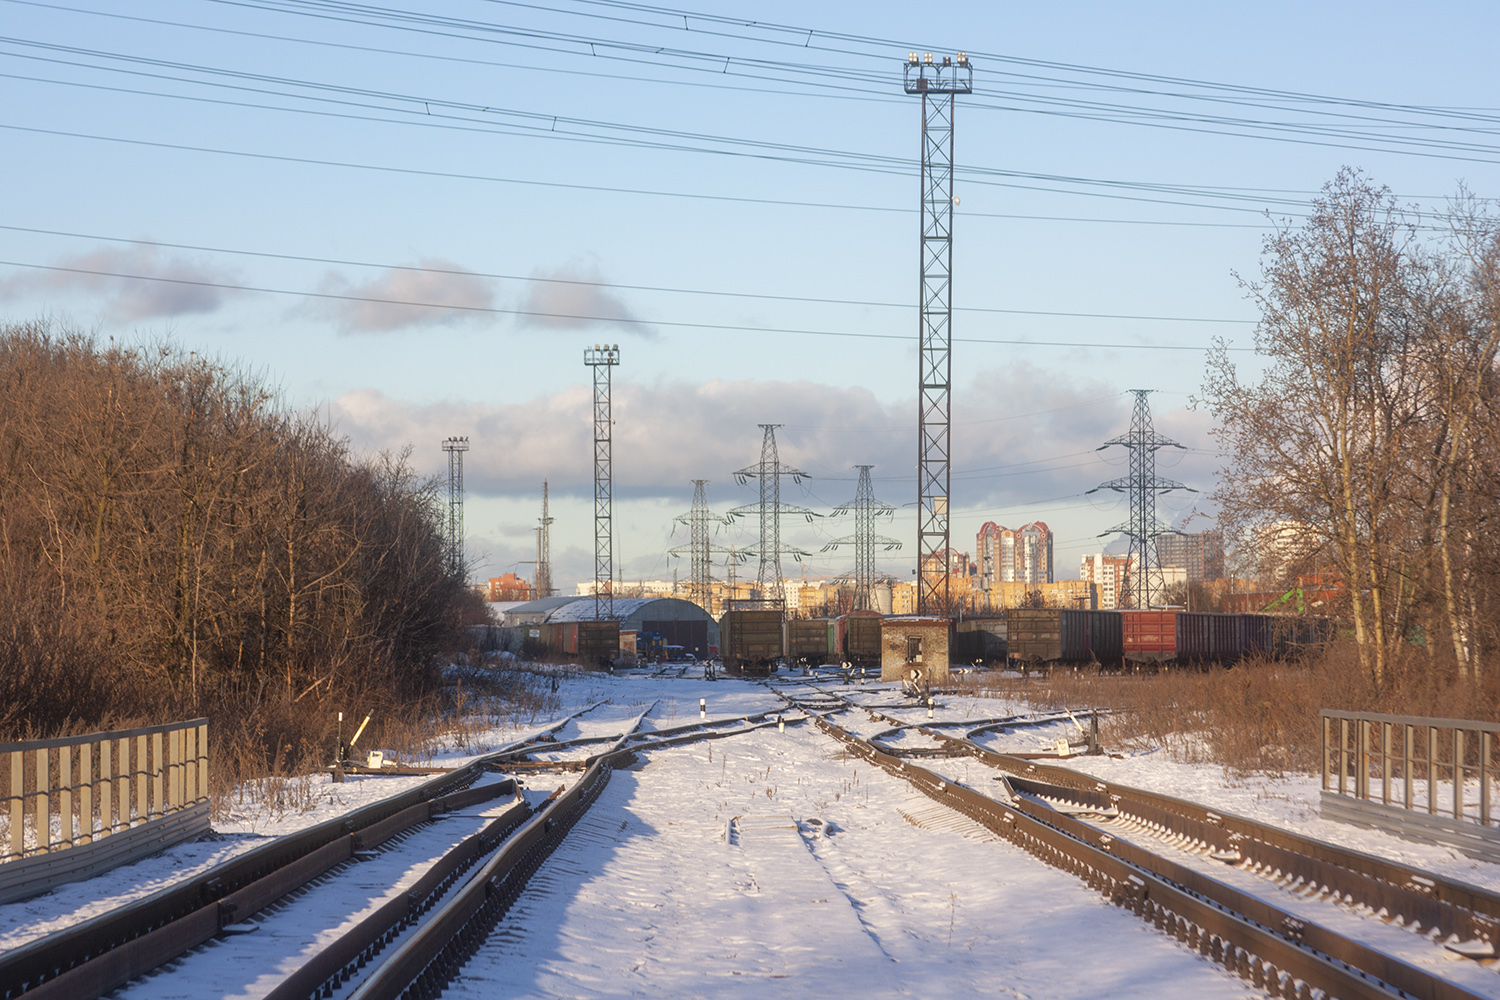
column 573, row 298
column 443, row 292
column 123, row 276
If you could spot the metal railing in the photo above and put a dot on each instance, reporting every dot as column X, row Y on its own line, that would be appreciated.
column 1443, row 767
column 76, row 790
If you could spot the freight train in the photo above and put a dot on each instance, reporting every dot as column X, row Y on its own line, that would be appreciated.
column 1111, row 639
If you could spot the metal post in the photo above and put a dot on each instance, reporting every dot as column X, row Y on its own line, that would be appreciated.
column 1385, row 763
column 43, row 814
column 938, row 84
column 1343, row 753
column 1327, row 761
column 1406, row 763
column 158, row 778
column 602, row 358
column 1484, row 778
column 66, row 835
column 86, row 793
column 17, row 803
column 1432, row 769
column 1458, row 773
column 203, row 766
column 106, row 787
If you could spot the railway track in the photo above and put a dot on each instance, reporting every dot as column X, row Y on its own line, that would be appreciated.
column 1166, row 860
column 1288, row 914
column 100, row 955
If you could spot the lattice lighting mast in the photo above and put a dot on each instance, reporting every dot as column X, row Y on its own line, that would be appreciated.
column 1142, row 485
column 603, row 358
column 938, row 83
column 455, row 447
column 769, row 471
column 865, row 510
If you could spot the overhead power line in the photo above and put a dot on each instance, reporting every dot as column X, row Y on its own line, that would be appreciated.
column 423, row 269
column 629, row 322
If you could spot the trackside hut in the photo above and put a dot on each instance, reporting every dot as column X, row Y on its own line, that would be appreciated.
column 914, row 644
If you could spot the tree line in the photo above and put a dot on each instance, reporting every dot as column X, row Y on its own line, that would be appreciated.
column 1362, row 440
column 174, row 540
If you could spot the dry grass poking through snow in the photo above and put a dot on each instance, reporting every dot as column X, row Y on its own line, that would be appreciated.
column 1255, row 716
column 475, row 712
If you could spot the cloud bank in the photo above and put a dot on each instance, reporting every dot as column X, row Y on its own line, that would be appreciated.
column 137, row 282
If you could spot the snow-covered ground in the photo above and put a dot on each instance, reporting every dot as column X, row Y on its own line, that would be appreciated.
column 725, row 866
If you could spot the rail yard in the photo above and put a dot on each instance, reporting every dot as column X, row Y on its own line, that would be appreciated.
column 671, row 836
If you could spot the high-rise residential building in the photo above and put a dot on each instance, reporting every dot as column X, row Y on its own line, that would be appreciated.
column 1111, row 577
column 1200, row 555
column 1022, row 555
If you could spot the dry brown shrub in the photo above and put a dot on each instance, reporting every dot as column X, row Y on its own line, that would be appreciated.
column 1254, row 716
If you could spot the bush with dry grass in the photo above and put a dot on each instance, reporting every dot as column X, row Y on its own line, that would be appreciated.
column 1253, row 716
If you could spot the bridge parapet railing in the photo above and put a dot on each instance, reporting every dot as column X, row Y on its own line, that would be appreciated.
column 1426, row 779
column 73, row 791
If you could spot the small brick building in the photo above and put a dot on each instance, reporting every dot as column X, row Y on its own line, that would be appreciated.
column 909, row 643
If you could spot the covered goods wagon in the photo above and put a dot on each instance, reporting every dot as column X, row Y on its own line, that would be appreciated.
column 981, row 640
column 751, row 641
column 808, row 639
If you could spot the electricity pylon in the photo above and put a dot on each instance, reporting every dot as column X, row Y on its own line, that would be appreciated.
column 769, row 471
column 865, row 509
column 700, row 586
column 455, row 447
column 1142, row 485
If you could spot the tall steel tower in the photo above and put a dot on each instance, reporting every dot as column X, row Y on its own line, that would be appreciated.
column 603, row 358
column 700, row 587
column 769, row 471
column 543, row 586
column 1142, row 485
column 455, row 447
column 938, row 83
column 865, row 509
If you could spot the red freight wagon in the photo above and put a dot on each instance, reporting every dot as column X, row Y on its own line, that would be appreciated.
column 1150, row 636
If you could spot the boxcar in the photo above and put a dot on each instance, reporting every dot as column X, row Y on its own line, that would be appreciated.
column 981, row 639
column 751, row 641
column 1048, row 635
column 1106, row 637
column 862, row 638
column 1149, row 636
column 807, row 639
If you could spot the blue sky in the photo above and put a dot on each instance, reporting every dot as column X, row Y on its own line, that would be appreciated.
column 683, row 185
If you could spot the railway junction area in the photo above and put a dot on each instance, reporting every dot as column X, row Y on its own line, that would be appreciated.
column 665, row 835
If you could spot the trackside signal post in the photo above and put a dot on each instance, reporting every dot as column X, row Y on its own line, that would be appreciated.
column 937, row 82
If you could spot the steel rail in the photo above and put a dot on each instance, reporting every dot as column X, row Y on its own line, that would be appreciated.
column 99, row 954
column 1412, row 902
column 1272, row 846
column 425, row 962
column 1280, row 956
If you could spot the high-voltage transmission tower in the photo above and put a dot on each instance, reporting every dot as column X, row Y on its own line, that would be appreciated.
column 544, row 549
column 603, row 358
column 938, row 83
column 769, row 471
column 455, row 447
column 865, row 509
column 700, row 587
column 1142, row 485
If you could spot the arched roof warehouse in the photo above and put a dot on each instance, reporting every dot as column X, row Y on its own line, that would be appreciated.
column 673, row 617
